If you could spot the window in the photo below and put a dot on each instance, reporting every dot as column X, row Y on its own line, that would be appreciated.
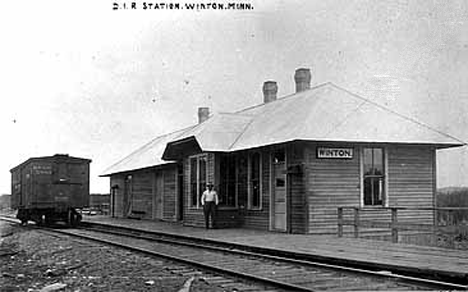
column 227, row 188
column 197, row 179
column 280, row 182
column 255, row 195
column 374, row 176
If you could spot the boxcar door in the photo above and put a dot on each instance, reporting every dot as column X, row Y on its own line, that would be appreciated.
column 279, row 193
column 158, row 195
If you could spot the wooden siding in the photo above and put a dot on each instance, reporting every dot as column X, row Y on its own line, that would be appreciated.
column 336, row 182
column 411, row 182
column 37, row 182
column 296, row 189
column 330, row 183
column 242, row 215
column 117, row 206
column 140, row 200
column 141, row 197
column 169, row 194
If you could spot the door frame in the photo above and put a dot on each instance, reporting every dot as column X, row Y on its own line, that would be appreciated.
column 128, row 195
column 158, row 192
column 273, row 190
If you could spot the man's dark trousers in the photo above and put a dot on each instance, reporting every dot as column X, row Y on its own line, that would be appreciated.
column 210, row 211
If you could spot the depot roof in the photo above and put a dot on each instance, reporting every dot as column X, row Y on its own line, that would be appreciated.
column 325, row 113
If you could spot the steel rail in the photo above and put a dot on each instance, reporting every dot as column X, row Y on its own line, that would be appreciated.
column 437, row 275
column 213, row 268
column 146, row 235
column 273, row 283
column 380, row 274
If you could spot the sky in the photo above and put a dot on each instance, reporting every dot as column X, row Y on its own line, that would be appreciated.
column 81, row 78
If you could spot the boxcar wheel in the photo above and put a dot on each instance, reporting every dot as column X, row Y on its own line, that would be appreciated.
column 23, row 216
column 48, row 220
column 75, row 218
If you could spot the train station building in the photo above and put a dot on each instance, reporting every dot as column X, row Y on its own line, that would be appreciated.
column 285, row 165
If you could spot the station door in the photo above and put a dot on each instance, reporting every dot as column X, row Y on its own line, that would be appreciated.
column 279, row 191
column 158, row 191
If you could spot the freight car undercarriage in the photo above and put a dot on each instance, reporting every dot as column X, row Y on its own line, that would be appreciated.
column 49, row 216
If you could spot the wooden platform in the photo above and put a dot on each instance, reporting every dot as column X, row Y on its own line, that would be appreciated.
column 380, row 255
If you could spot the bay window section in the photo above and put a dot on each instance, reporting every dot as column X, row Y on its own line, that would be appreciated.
column 227, row 188
column 197, row 179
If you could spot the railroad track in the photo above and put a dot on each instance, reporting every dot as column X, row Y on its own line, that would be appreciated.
column 175, row 268
column 270, row 272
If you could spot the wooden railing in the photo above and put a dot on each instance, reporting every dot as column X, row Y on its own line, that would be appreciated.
column 443, row 221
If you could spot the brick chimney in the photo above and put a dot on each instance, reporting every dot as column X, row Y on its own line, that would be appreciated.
column 203, row 114
column 302, row 78
column 270, row 89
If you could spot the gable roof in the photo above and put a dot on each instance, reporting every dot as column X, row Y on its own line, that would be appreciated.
column 330, row 113
column 325, row 113
column 219, row 132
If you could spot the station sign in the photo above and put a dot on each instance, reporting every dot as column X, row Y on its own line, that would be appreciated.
column 334, row 153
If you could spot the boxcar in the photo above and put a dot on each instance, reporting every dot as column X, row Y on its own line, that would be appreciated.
column 49, row 189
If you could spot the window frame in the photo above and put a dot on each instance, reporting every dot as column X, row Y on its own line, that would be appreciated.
column 362, row 176
column 236, row 181
column 249, row 181
column 197, row 204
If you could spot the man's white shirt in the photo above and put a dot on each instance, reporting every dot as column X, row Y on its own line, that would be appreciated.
column 209, row 196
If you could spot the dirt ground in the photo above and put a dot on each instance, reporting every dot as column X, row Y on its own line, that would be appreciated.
column 32, row 260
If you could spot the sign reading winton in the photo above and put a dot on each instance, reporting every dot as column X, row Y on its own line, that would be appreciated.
column 338, row 153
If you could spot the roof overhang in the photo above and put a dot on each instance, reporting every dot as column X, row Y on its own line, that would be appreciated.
column 179, row 149
column 126, row 171
column 387, row 143
column 54, row 157
column 356, row 143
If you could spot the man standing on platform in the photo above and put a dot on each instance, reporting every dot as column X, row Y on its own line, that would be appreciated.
column 209, row 200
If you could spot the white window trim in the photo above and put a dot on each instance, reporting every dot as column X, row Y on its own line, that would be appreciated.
column 249, row 184
column 197, row 157
column 361, row 177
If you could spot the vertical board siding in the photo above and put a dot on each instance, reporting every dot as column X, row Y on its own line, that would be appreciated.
column 38, row 181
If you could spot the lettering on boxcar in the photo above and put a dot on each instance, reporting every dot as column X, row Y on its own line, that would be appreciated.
column 42, row 169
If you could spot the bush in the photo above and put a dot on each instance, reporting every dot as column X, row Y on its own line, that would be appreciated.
column 452, row 198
